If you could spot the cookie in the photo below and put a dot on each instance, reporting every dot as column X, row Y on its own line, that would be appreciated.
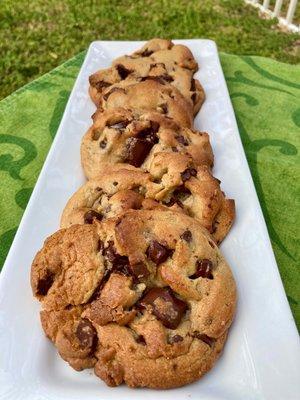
column 146, row 299
column 174, row 182
column 148, row 95
column 158, row 59
column 66, row 258
column 124, row 136
column 193, row 190
column 110, row 195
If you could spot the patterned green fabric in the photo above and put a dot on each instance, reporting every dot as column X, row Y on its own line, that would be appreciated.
column 266, row 99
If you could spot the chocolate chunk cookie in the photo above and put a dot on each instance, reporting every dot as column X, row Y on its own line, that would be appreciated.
column 145, row 299
column 174, row 182
column 193, row 190
column 159, row 60
column 124, row 136
column 66, row 258
column 109, row 195
column 148, row 95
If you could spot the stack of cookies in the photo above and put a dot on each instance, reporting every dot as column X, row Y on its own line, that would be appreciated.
column 134, row 284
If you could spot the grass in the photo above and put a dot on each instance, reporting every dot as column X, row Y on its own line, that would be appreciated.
column 38, row 35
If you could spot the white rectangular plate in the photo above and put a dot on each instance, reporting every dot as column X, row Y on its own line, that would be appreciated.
column 262, row 357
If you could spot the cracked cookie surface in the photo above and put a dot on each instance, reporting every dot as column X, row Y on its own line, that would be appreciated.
column 148, row 95
column 150, row 305
column 129, row 137
column 108, row 196
column 173, row 182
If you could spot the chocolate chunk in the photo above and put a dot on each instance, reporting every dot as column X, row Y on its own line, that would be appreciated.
column 154, row 126
column 45, row 283
column 146, row 53
column 156, row 180
column 206, row 339
column 114, row 89
column 173, row 201
column 99, row 85
column 102, row 85
column 175, row 339
column 182, row 140
column 110, row 252
column 164, row 108
column 123, row 71
column 157, row 252
column 187, row 236
column 167, row 78
column 149, row 133
column 188, row 173
column 203, row 269
column 139, row 270
column 165, row 306
column 193, row 85
column 103, row 143
column 137, row 150
column 182, row 191
column 120, row 264
column 119, row 125
column 174, row 149
column 91, row 215
column 86, row 334
column 179, row 195
column 122, row 268
column 141, row 340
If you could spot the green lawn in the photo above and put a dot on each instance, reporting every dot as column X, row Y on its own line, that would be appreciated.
column 37, row 35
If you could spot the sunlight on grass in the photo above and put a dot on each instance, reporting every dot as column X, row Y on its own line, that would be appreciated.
column 37, row 36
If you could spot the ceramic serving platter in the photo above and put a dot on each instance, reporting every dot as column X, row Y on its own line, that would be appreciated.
column 262, row 357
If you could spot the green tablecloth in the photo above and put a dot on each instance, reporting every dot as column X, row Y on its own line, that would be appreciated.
column 266, row 99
